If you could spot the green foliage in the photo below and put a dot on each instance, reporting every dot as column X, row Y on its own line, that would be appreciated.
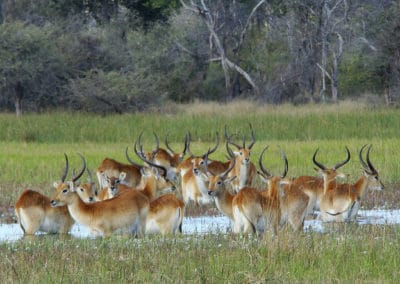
column 29, row 62
column 358, row 75
column 113, row 92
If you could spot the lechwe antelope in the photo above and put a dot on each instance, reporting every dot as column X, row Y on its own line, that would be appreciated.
column 112, row 168
column 87, row 191
column 35, row 214
column 293, row 201
column 244, row 170
column 194, row 187
column 250, row 209
column 167, row 158
column 127, row 210
column 341, row 201
column 166, row 212
column 313, row 186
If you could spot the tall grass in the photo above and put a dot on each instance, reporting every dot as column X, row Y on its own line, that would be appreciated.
column 32, row 147
column 314, row 122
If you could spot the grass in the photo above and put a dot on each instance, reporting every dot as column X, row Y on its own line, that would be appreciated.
column 348, row 253
column 31, row 155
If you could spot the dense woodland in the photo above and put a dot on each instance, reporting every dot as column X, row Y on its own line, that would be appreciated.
column 116, row 56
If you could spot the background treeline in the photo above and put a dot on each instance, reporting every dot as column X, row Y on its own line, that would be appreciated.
column 124, row 56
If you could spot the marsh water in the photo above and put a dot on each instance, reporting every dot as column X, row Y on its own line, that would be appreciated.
column 220, row 224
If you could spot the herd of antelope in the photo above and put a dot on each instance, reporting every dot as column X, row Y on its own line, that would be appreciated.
column 150, row 197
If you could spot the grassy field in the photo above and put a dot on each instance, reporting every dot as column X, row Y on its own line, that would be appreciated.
column 31, row 155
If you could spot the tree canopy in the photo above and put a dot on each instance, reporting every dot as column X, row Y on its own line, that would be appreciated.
column 125, row 56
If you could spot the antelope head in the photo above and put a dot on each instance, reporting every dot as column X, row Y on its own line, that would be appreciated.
column 243, row 152
column 330, row 174
column 369, row 170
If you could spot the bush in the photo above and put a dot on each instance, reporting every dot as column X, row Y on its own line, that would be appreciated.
column 103, row 92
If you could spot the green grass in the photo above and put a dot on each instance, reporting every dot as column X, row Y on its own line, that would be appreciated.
column 347, row 253
column 31, row 155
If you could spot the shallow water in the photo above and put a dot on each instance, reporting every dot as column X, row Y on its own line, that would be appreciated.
column 218, row 224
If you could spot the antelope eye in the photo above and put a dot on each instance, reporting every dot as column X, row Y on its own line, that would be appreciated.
column 65, row 190
column 202, row 163
column 241, row 153
column 219, row 182
column 81, row 189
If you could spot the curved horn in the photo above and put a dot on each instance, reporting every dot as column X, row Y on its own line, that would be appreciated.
column 260, row 164
column 164, row 170
column 206, row 161
column 229, row 150
column 285, row 171
column 167, row 145
column 319, row 165
column 373, row 170
column 132, row 162
column 188, row 145
column 228, row 139
column 226, row 134
column 216, row 143
column 90, row 177
column 82, row 170
column 232, row 165
column 64, row 175
column 340, row 164
column 187, row 142
column 253, row 139
column 363, row 163
column 153, row 154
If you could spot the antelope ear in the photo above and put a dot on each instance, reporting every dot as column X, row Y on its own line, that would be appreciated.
column 71, row 186
column 55, row 184
column 228, row 180
column 122, row 176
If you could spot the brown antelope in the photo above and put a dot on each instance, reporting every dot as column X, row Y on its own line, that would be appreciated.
column 35, row 214
column 127, row 210
column 112, row 168
column 293, row 201
column 261, row 208
column 341, row 201
column 313, row 186
column 166, row 212
column 244, row 170
column 87, row 191
column 165, row 215
column 369, row 179
column 194, row 187
column 167, row 158
column 250, row 209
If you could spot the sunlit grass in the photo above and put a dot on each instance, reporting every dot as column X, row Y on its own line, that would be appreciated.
column 31, row 155
column 347, row 253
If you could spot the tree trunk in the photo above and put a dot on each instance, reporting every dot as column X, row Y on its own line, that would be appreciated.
column 19, row 92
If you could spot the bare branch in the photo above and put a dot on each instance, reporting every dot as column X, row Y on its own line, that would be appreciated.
column 248, row 23
column 324, row 71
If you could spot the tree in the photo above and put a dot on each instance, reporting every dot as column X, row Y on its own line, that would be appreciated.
column 29, row 65
column 223, row 47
